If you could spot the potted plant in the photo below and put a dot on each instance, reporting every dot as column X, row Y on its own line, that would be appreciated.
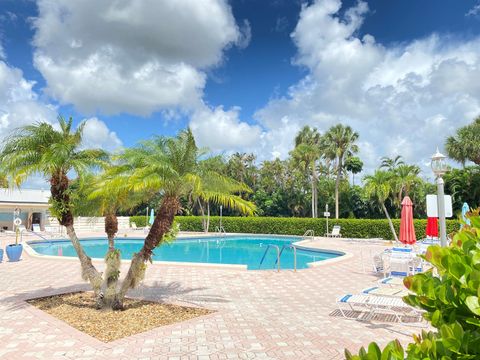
column 14, row 251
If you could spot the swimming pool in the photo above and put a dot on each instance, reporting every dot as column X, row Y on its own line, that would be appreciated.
column 236, row 250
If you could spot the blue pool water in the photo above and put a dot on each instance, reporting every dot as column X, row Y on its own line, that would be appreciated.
column 228, row 250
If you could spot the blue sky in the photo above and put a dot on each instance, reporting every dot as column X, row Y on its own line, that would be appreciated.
column 245, row 74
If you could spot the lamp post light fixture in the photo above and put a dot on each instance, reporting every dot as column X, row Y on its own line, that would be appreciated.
column 439, row 168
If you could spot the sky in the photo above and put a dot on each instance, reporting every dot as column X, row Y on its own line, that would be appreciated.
column 245, row 75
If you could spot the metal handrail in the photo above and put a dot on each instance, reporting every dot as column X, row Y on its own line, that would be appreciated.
column 310, row 233
column 290, row 246
column 265, row 254
column 221, row 231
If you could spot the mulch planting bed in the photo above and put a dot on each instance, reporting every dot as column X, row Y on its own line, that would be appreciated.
column 78, row 310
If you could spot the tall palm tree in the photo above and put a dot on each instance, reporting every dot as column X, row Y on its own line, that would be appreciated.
column 169, row 166
column 307, row 152
column 55, row 154
column 379, row 187
column 465, row 144
column 340, row 143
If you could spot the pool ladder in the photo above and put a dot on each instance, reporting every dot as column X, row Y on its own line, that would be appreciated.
column 308, row 233
column 220, row 230
column 279, row 254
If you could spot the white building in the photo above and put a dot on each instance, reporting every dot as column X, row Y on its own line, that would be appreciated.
column 31, row 206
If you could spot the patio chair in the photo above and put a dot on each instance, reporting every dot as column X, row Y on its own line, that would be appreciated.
column 380, row 266
column 335, row 232
column 372, row 305
column 392, row 281
column 134, row 226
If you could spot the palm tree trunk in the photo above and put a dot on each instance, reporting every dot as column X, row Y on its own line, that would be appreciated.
column 89, row 272
column 314, row 192
column 389, row 222
column 161, row 225
column 204, row 221
column 208, row 216
column 111, row 228
column 59, row 185
column 337, row 186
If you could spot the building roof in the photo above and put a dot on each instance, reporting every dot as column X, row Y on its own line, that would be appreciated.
column 24, row 196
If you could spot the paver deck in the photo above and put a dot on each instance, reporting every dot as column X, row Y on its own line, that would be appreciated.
column 260, row 314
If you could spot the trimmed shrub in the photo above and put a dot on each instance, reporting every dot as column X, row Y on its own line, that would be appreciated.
column 140, row 220
column 353, row 228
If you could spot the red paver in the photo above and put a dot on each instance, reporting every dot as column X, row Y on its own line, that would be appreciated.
column 261, row 314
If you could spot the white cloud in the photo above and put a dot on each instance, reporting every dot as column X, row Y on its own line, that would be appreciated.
column 96, row 134
column 132, row 56
column 20, row 106
column 474, row 11
column 403, row 99
column 220, row 129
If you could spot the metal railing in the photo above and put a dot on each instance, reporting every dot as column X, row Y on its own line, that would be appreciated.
column 265, row 254
column 220, row 231
column 308, row 233
column 290, row 246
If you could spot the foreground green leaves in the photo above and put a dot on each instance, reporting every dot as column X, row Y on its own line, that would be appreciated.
column 449, row 293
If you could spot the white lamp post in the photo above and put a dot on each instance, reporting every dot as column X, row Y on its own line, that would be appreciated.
column 439, row 167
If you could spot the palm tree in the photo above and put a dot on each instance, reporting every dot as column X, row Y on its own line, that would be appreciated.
column 212, row 187
column 169, row 166
column 406, row 176
column 55, row 154
column 379, row 187
column 465, row 144
column 307, row 152
column 391, row 163
column 354, row 165
column 340, row 143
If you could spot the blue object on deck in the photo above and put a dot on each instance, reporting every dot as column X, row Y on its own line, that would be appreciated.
column 345, row 298
column 1, row 255
column 152, row 217
column 465, row 210
column 14, row 252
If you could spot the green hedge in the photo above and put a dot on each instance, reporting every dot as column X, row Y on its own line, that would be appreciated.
column 353, row 228
column 140, row 220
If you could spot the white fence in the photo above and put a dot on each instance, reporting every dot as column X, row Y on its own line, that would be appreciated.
column 90, row 223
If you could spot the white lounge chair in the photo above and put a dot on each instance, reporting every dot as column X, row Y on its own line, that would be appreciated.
column 395, row 291
column 392, row 281
column 335, row 232
column 371, row 305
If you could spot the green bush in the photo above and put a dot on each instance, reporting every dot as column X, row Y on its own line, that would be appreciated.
column 353, row 228
column 450, row 300
column 140, row 220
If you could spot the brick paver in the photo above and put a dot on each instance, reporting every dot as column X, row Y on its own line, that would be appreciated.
column 260, row 314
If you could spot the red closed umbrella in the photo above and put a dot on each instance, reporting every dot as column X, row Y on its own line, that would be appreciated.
column 407, row 230
column 432, row 227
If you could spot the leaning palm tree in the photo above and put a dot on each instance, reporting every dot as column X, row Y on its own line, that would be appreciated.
column 379, row 187
column 55, row 154
column 340, row 143
column 169, row 166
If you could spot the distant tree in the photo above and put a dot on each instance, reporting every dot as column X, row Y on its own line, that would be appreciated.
column 406, row 176
column 307, row 152
column 465, row 144
column 379, row 187
column 241, row 166
column 340, row 143
column 354, row 165
column 391, row 163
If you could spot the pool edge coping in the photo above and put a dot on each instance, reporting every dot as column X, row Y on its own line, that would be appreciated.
column 343, row 255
